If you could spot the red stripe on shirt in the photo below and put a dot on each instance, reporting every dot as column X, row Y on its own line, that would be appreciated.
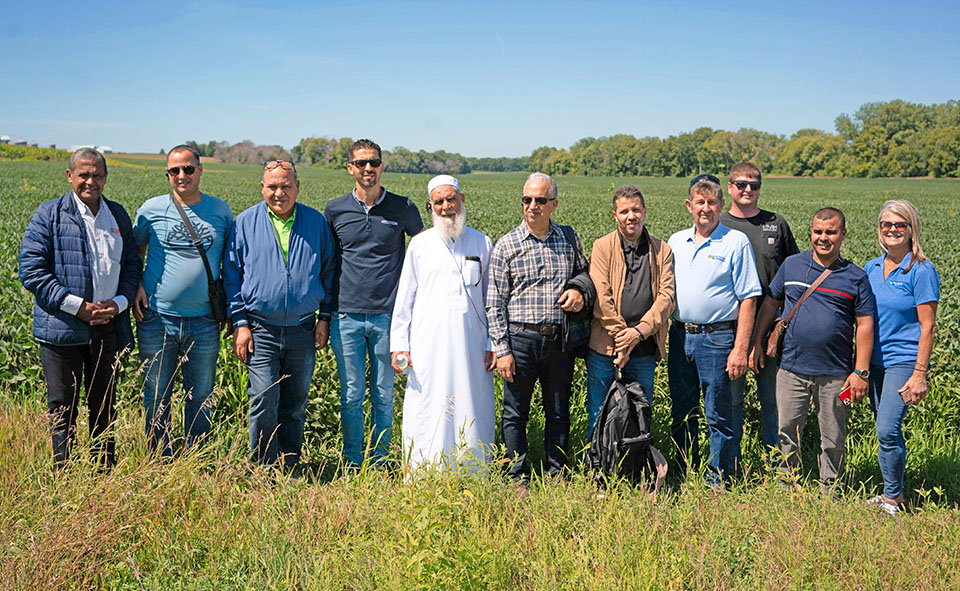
column 846, row 295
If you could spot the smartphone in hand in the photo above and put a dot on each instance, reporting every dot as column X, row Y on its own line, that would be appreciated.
column 845, row 396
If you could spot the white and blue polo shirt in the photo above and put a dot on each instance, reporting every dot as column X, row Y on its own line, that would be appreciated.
column 714, row 276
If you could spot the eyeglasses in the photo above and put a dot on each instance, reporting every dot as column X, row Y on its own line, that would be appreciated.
column 282, row 164
column 540, row 200
column 187, row 170
column 755, row 185
column 374, row 162
column 900, row 226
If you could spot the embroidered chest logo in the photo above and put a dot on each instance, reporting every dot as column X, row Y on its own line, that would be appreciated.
column 716, row 257
column 769, row 227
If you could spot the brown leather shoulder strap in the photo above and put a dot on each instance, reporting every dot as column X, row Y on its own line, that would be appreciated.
column 813, row 287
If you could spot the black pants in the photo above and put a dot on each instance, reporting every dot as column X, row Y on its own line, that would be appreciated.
column 95, row 366
column 537, row 357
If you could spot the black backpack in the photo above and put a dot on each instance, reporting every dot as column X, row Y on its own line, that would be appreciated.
column 621, row 443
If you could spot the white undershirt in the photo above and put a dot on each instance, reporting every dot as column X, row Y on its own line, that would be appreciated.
column 105, row 248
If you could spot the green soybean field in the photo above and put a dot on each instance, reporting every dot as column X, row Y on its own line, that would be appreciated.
column 210, row 520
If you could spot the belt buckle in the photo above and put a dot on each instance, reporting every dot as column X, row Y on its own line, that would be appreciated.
column 547, row 331
column 692, row 328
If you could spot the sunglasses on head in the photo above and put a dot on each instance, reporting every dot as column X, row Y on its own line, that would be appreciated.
column 540, row 200
column 374, row 162
column 273, row 164
column 755, row 185
column 901, row 226
column 187, row 170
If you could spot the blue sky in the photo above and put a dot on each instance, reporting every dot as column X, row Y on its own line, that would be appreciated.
column 485, row 79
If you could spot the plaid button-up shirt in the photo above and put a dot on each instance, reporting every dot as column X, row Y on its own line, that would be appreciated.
column 527, row 276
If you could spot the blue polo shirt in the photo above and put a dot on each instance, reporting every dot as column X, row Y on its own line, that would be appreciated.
column 819, row 340
column 714, row 276
column 370, row 250
column 896, row 334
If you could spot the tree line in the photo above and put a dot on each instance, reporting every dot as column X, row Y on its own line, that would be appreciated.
column 881, row 139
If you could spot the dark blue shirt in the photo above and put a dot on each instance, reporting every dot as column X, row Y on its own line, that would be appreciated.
column 370, row 250
column 819, row 340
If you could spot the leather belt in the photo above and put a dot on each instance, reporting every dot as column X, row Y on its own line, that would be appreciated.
column 547, row 330
column 708, row 328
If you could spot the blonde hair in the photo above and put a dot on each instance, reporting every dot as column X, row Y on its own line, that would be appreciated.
column 905, row 210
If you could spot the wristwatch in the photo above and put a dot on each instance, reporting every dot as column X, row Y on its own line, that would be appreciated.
column 863, row 373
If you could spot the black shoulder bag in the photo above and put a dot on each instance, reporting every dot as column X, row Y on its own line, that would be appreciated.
column 215, row 291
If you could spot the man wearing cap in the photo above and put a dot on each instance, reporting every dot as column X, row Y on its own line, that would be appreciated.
column 772, row 242
column 717, row 289
column 440, row 329
column 368, row 225
column 531, row 272
column 278, row 273
column 79, row 260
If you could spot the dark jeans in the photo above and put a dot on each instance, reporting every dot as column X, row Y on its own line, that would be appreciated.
column 537, row 357
column 697, row 366
column 94, row 365
column 279, row 370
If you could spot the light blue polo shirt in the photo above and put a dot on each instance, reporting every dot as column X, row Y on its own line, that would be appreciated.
column 896, row 336
column 714, row 276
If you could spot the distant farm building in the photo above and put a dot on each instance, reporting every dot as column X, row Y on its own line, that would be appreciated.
column 4, row 139
column 52, row 146
column 19, row 142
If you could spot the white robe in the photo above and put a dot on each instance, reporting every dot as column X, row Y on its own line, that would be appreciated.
column 448, row 409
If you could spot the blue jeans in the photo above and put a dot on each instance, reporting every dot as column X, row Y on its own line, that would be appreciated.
column 354, row 337
column 767, row 393
column 697, row 365
column 601, row 372
column 167, row 342
column 279, row 373
column 889, row 409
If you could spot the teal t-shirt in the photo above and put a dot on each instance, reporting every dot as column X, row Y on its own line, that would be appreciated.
column 174, row 276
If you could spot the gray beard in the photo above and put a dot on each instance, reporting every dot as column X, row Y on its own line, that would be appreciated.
column 450, row 228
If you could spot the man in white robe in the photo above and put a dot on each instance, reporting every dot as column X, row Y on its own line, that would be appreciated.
column 439, row 324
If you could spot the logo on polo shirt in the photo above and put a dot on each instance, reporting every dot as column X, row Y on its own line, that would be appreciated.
column 388, row 222
column 769, row 227
column 771, row 240
column 716, row 257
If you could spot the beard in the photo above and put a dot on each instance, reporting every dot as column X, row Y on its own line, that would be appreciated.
column 451, row 227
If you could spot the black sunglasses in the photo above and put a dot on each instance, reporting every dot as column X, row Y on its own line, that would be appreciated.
column 540, row 200
column 755, row 185
column 901, row 226
column 283, row 164
column 187, row 170
column 374, row 162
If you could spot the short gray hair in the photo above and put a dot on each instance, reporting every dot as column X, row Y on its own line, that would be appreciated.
column 87, row 155
column 543, row 177
column 707, row 188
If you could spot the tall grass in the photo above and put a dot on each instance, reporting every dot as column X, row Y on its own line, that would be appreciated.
column 208, row 520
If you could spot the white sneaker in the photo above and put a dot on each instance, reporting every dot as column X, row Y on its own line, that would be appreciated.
column 888, row 507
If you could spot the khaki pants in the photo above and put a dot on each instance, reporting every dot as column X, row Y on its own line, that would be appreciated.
column 794, row 391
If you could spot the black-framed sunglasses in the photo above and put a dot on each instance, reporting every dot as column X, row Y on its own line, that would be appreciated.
column 900, row 226
column 755, row 185
column 374, row 162
column 527, row 200
column 187, row 170
column 282, row 164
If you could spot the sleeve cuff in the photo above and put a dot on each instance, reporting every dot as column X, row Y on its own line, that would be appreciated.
column 71, row 304
column 121, row 302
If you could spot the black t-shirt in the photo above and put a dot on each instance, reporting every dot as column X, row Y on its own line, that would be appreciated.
column 636, row 298
column 771, row 239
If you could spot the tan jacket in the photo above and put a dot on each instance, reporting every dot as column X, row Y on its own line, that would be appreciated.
column 608, row 270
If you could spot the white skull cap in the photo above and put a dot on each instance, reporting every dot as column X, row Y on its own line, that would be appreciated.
column 440, row 180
